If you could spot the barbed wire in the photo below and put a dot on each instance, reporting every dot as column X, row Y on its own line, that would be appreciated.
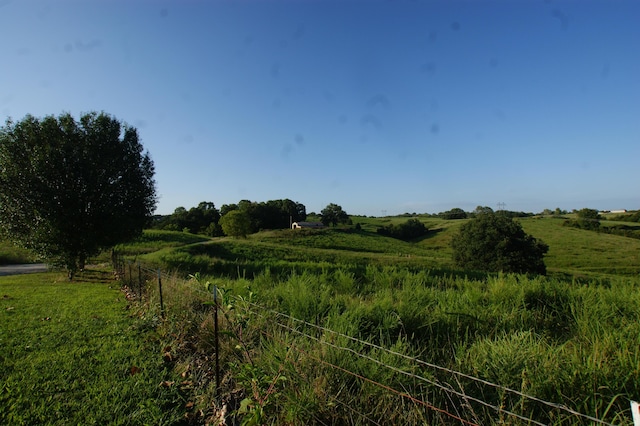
column 444, row 369
column 159, row 273
column 412, row 375
column 386, row 387
column 346, row 406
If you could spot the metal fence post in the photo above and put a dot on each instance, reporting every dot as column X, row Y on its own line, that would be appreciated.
column 215, row 330
column 139, row 281
column 160, row 289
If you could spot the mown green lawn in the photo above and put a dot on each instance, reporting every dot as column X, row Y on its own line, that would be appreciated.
column 71, row 353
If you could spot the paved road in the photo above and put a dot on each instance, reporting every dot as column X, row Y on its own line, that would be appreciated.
column 23, row 269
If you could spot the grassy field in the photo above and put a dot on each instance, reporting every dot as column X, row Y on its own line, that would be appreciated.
column 573, row 253
column 72, row 354
column 580, row 252
column 569, row 338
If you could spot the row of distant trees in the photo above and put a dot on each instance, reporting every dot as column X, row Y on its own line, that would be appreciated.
column 206, row 218
column 458, row 213
column 245, row 217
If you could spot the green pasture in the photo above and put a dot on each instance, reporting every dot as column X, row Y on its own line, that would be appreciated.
column 578, row 252
column 566, row 342
column 73, row 354
column 76, row 354
column 573, row 253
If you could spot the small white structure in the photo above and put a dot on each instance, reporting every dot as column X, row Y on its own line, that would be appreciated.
column 307, row 225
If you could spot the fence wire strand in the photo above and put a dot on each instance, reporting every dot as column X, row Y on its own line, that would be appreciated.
column 157, row 273
column 437, row 367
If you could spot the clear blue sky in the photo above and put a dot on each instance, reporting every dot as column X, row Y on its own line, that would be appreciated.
column 380, row 106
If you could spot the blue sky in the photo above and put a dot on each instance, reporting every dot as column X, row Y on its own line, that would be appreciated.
column 380, row 106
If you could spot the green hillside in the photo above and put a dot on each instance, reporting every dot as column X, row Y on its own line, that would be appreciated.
column 572, row 252
column 329, row 324
column 553, row 338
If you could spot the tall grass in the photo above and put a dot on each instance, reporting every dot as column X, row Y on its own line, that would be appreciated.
column 569, row 339
column 569, row 344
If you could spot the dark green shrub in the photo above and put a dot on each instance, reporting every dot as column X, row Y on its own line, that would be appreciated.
column 493, row 242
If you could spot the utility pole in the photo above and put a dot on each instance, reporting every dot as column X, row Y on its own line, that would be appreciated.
column 501, row 206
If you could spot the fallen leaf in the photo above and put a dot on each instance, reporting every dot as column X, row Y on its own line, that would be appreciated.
column 134, row 370
column 166, row 384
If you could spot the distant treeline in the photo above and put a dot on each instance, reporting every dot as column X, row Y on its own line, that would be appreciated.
column 457, row 213
column 205, row 218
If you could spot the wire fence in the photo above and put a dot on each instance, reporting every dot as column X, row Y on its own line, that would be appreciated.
column 468, row 403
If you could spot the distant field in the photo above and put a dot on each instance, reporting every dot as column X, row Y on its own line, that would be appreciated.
column 572, row 251
column 579, row 252
column 570, row 339
column 553, row 337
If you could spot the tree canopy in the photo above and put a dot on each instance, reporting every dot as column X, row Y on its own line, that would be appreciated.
column 202, row 219
column 69, row 189
column 455, row 213
column 333, row 214
column 495, row 242
column 272, row 214
column 408, row 230
column 236, row 223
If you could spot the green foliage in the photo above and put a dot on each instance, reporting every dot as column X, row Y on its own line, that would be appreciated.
column 586, row 219
column 69, row 189
column 494, row 242
column 572, row 345
column 202, row 219
column 10, row 254
column 333, row 215
column 455, row 213
column 412, row 228
column 236, row 223
column 629, row 217
column 571, row 340
column 273, row 214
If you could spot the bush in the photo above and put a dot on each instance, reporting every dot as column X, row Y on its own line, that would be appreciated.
column 493, row 242
column 408, row 230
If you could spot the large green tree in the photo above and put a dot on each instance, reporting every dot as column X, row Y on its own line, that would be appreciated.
column 236, row 223
column 202, row 219
column 495, row 242
column 69, row 189
column 333, row 214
